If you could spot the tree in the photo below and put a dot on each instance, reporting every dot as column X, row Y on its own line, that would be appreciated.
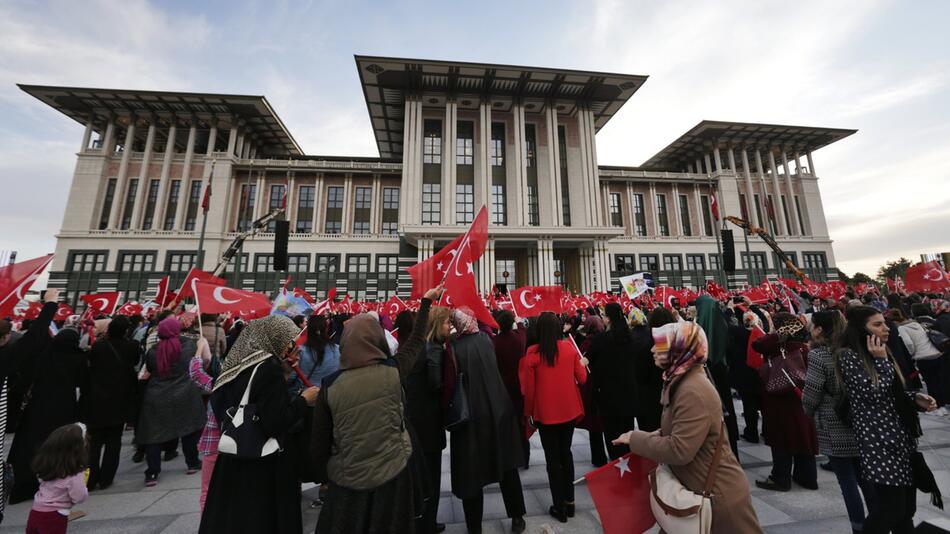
column 843, row 277
column 861, row 278
column 893, row 269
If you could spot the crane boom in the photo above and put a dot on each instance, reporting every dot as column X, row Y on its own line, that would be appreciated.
column 239, row 240
column 770, row 241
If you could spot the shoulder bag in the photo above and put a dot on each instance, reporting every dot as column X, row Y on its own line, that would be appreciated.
column 241, row 432
column 785, row 373
column 938, row 338
column 677, row 508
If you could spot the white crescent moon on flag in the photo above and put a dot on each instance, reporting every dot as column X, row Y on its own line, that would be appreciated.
column 448, row 300
column 939, row 276
column 219, row 296
column 101, row 307
column 523, row 303
column 393, row 308
column 20, row 289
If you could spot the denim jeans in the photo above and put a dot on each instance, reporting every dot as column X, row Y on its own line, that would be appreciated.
column 846, row 470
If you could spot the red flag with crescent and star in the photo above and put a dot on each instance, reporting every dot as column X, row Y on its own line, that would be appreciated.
column 927, row 277
column 459, row 285
column 393, row 307
column 214, row 298
column 430, row 272
column 16, row 280
column 529, row 301
column 129, row 309
column 621, row 494
column 196, row 274
column 104, row 303
column 63, row 311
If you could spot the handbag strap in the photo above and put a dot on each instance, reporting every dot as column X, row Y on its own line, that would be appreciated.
column 714, row 465
column 247, row 390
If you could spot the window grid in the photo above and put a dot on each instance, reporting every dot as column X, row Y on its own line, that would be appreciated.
column 362, row 212
column 306, row 196
column 180, row 261
column 496, row 153
column 171, row 207
column 714, row 262
column 616, row 217
column 129, row 204
column 649, row 262
column 150, row 202
column 533, row 209
column 432, row 142
column 801, row 218
column 387, row 274
column 278, row 193
column 137, row 261
column 499, row 214
column 88, row 261
column 672, row 262
column 334, row 217
column 357, row 269
column 107, row 204
column 465, row 143
column 639, row 216
column 815, row 260
column 464, row 203
column 624, row 263
column 707, row 216
column 298, row 263
column 662, row 215
column 684, row 216
column 431, row 203
column 695, row 262
column 565, row 179
column 390, row 210
column 327, row 267
column 194, row 200
column 758, row 261
column 246, row 206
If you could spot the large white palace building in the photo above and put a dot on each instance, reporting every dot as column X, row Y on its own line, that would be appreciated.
column 451, row 137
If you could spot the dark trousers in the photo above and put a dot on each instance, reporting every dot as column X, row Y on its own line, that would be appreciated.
column 846, row 470
column 806, row 470
column 102, row 466
column 556, row 441
column 751, row 406
column 434, row 483
column 598, row 451
column 511, row 494
column 935, row 376
column 613, row 427
column 891, row 511
column 189, row 447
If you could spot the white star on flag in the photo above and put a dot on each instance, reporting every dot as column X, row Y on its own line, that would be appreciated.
column 438, row 267
column 623, row 466
column 537, row 297
column 469, row 264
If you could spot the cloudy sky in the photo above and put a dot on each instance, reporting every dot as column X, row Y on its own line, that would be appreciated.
column 879, row 66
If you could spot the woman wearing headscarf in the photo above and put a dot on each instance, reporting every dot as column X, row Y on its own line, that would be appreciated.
column 710, row 317
column 786, row 429
column 613, row 371
column 171, row 406
column 487, row 448
column 360, row 440
column 107, row 399
column 593, row 325
column 51, row 369
column 692, row 427
column 259, row 494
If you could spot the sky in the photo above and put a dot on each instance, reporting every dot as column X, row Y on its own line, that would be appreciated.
column 879, row 66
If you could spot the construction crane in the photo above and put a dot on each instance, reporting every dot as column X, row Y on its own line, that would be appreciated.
column 761, row 232
column 239, row 240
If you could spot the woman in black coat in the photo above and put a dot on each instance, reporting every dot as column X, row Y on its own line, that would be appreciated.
column 108, row 399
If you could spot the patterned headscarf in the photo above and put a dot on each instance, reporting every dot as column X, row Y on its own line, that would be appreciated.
column 187, row 320
column 685, row 342
column 593, row 324
column 636, row 317
column 464, row 323
column 940, row 306
column 750, row 320
column 260, row 339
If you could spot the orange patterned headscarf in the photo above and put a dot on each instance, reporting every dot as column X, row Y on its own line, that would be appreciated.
column 686, row 344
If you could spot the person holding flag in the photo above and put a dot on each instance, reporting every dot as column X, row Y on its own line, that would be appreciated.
column 691, row 442
column 550, row 373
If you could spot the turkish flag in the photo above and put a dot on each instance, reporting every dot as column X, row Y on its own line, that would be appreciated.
column 206, row 199
column 530, row 301
column 716, row 291
column 32, row 311
column 713, row 203
column 895, row 285
column 130, row 308
column 928, row 277
column 430, row 272
column 214, row 298
column 345, row 306
column 791, row 284
column 666, row 294
column 460, row 289
column 104, row 303
column 393, row 307
column 16, row 280
column 63, row 312
column 304, row 295
column 621, row 493
column 196, row 274
column 162, row 294
column 757, row 295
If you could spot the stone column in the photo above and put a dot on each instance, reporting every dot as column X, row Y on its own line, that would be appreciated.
column 554, row 163
column 732, row 160
column 749, row 192
column 763, row 184
column 518, row 195
column 631, row 217
column 212, row 137
column 318, row 203
column 348, row 200
column 158, row 218
column 655, row 211
column 122, row 180
column 483, row 174
column 798, row 163
column 142, row 191
column 708, row 164
column 602, row 265
column 87, row 133
column 811, row 164
column 776, row 195
column 790, row 197
column 589, row 193
column 263, row 196
column 449, row 169
column 376, row 206
column 186, row 170
column 699, row 166
column 717, row 158
column 232, row 138
column 108, row 141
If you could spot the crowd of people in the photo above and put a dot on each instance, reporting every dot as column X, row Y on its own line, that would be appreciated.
column 365, row 405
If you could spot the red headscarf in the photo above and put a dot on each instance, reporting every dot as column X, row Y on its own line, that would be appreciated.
column 169, row 348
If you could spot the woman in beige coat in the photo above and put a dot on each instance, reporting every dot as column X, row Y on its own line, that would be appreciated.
column 690, row 428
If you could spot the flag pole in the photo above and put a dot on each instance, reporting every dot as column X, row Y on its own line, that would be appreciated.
column 719, row 271
column 243, row 210
column 204, row 220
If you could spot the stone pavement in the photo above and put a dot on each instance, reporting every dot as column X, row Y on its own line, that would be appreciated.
column 172, row 506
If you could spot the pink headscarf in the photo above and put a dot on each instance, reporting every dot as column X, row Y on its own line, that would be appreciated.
column 464, row 323
column 169, row 348
column 187, row 320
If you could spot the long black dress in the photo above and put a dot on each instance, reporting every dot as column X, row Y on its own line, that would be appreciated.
column 259, row 495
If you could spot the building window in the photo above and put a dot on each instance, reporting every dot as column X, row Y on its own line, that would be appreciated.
column 530, row 146
column 758, row 261
column 246, row 206
column 357, row 269
column 387, row 274
column 137, row 261
column 465, row 143
column 233, row 261
column 306, row 194
column 624, row 264
column 815, row 260
column 363, row 212
column 788, row 220
column 772, row 221
column 499, row 215
column 277, row 200
column 327, row 267
column 684, row 216
column 649, row 262
column 129, row 204
column 707, row 215
column 695, row 262
column 334, row 219
column 616, row 217
column 194, row 200
column 431, row 203
column 497, row 147
column 151, row 200
column 390, row 210
column 298, row 263
column 180, row 262
column 801, row 218
column 662, row 215
column 565, row 179
column 639, row 216
column 88, row 261
column 464, row 203
column 533, row 215
column 432, row 142
column 758, row 209
column 743, row 209
column 672, row 262
column 714, row 262
column 107, row 204
column 171, row 207
column 263, row 263
column 506, row 266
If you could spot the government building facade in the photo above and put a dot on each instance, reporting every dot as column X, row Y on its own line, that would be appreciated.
column 452, row 137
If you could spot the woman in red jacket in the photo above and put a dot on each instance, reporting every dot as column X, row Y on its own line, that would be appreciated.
column 550, row 372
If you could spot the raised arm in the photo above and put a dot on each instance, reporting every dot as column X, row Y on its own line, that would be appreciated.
column 410, row 349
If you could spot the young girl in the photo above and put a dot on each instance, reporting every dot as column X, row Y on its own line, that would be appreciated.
column 60, row 464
